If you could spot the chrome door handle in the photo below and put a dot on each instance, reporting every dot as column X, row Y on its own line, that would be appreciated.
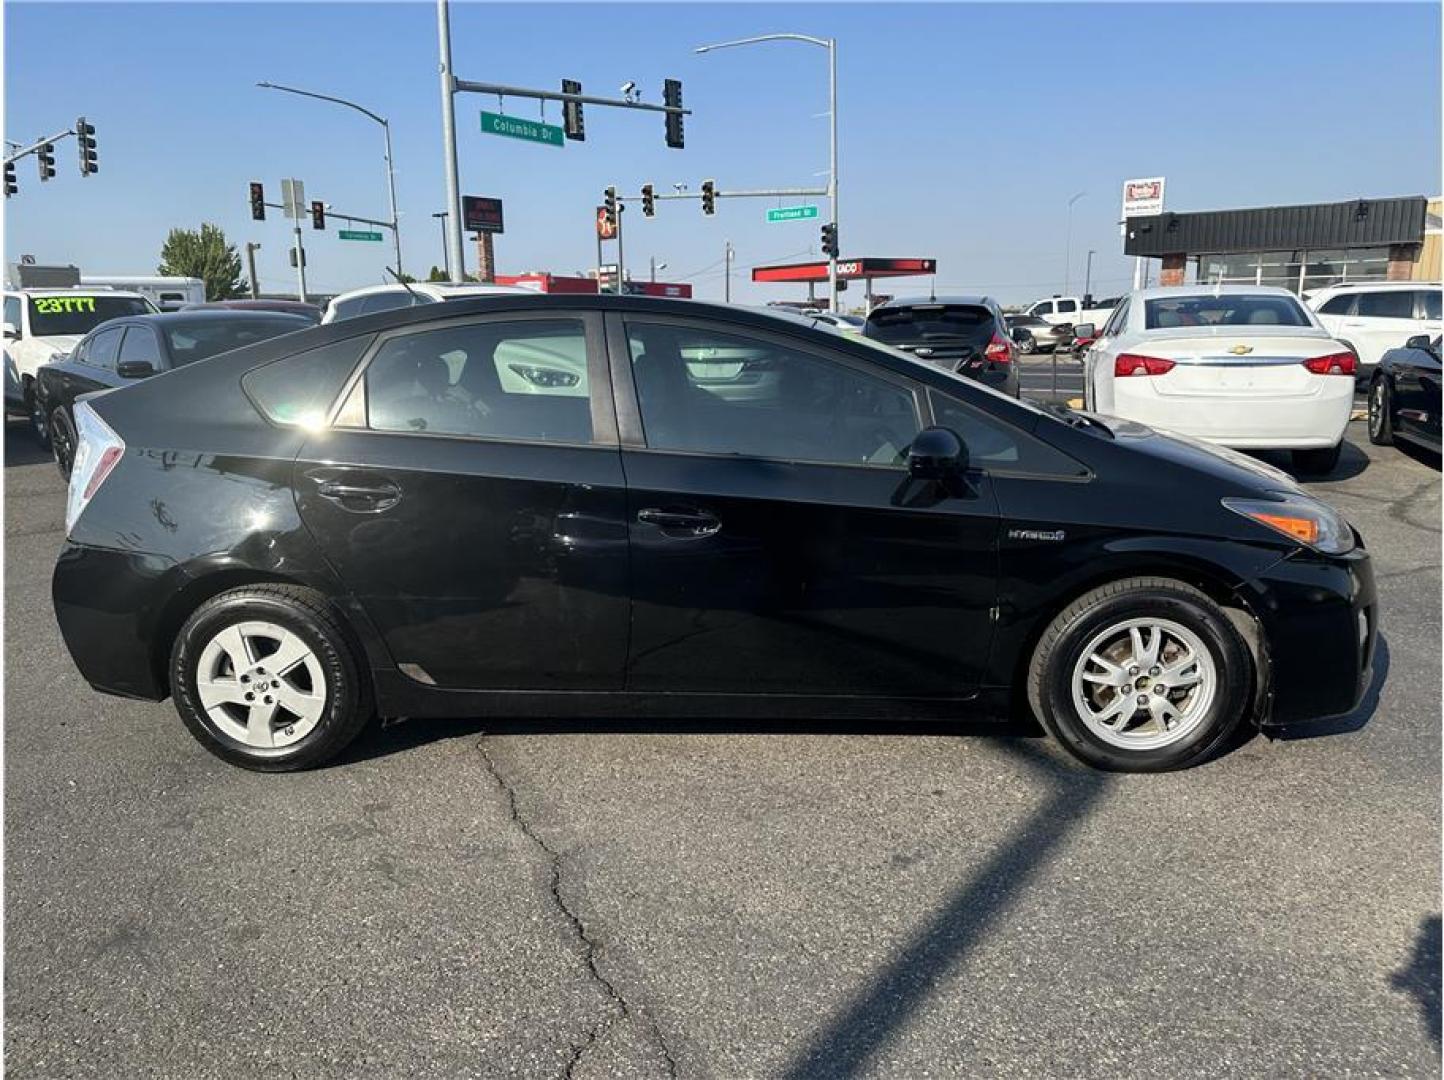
column 688, row 523
column 381, row 496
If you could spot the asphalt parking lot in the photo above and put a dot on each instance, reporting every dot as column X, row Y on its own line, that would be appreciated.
column 497, row 898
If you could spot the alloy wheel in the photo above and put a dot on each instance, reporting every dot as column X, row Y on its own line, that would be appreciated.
column 261, row 684
column 1376, row 408
column 1143, row 684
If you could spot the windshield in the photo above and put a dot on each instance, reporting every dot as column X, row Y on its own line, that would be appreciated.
column 930, row 322
column 1238, row 309
column 195, row 340
column 56, row 316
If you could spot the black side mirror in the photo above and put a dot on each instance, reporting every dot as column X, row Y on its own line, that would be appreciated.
column 1085, row 330
column 1420, row 341
column 937, row 454
column 134, row 369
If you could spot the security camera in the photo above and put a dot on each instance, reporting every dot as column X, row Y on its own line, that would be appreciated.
column 629, row 89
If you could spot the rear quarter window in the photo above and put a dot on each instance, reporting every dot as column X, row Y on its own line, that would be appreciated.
column 300, row 389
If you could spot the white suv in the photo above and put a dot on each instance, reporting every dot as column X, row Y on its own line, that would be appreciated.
column 1374, row 317
column 374, row 298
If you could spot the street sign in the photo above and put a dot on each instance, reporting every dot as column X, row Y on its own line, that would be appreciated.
column 482, row 215
column 356, row 234
column 528, row 130
column 791, row 213
column 293, row 195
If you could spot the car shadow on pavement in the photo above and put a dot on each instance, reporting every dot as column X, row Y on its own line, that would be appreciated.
column 1350, row 721
column 20, row 445
column 886, row 1005
column 1420, row 976
column 1352, row 462
column 400, row 735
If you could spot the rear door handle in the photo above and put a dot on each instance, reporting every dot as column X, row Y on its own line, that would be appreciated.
column 686, row 523
column 363, row 497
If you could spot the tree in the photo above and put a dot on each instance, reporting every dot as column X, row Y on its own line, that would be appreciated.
column 204, row 254
column 438, row 274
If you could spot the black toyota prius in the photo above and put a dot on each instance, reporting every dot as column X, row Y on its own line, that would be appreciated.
column 592, row 506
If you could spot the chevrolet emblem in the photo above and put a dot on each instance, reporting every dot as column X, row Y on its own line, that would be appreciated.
column 1241, row 350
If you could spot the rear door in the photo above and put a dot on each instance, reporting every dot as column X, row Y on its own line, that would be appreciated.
column 778, row 545
column 1382, row 319
column 470, row 495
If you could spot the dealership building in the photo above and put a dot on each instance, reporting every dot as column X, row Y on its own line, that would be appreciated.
column 1300, row 248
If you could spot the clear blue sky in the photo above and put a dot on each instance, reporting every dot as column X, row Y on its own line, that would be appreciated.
column 964, row 128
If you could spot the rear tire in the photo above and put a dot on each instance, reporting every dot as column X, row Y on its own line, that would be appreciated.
column 35, row 412
column 1318, row 462
column 62, row 442
column 265, row 678
column 1381, row 414
column 1123, row 722
column 1027, row 345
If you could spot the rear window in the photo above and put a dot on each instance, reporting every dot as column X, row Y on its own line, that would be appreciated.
column 1223, row 310
column 967, row 323
column 78, row 314
column 198, row 339
column 300, row 389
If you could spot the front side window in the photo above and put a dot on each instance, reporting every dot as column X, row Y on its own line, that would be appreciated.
column 1116, row 322
column 52, row 316
column 705, row 391
column 997, row 446
column 1386, row 304
column 103, row 348
column 12, row 312
column 1067, row 307
column 1338, row 305
column 1225, row 309
column 509, row 379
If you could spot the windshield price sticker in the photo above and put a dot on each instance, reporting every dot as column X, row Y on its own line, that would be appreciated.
column 56, row 305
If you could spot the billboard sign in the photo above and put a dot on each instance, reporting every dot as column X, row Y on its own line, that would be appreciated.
column 1142, row 197
column 480, row 214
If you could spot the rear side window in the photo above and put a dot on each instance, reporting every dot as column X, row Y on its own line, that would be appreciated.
column 299, row 389
column 1390, row 304
column 1431, row 304
column 103, row 347
column 1067, row 307
column 140, row 345
column 971, row 324
column 1338, row 305
column 997, row 446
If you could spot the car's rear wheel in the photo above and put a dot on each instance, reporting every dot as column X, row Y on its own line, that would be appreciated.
column 1141, row 675
column 1381, row 415
column 265, row 677
column 62, row 442
column 1318, row 461
column 1027, row 345
column 35, row 410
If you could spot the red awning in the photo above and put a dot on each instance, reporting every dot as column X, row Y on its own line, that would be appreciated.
column 846, row 268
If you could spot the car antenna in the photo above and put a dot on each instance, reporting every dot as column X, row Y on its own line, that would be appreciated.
column 403, row 283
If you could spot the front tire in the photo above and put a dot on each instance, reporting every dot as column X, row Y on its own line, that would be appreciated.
column 1027, row 345
column 35, row 412
column 1141, row 675
column 1319, row 461
column 62, row 442
column 265, row 678
column 1381, row 413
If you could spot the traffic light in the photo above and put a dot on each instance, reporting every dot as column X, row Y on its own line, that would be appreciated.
column 11, row 187
column 572, row 122
column 672, row 97
column 649, row 201
column 258, row 202
column 609, row 204
column 85, row 140
column 709, row 196
column 318, row 214
column 829, row 240
column 46, row 157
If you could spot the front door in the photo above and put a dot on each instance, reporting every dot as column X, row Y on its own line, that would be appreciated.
column 470, row 496
column 777, row 543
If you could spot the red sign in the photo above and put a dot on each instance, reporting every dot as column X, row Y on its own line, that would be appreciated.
column 606, row 226
column 846, row 268
column 481, row 215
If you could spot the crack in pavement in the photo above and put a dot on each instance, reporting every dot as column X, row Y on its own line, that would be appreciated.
column 621, row 1008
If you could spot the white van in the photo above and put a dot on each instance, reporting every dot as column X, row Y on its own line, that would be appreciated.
column 166, row 293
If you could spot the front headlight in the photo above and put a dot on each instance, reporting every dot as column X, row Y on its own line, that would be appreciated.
column 1300, row 518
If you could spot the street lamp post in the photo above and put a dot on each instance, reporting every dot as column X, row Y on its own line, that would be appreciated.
column 1088, row 275
column 1068, row 242
column 830, row 44
column 390, row 164
column 441, row 216
column 655, row 267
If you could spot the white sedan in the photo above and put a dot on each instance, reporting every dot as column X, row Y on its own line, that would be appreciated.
column 1242, row 366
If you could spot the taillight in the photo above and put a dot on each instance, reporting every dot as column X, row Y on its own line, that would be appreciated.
column 98, row 450
column 1340, row 363
column 999, row 350
column 1128, row 364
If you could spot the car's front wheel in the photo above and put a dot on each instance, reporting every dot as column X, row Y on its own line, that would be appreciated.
column 1141, row 675
column 62, row 442
column 265, row 677
column 1027, row 345
column 1381, row 415
column 35, row 410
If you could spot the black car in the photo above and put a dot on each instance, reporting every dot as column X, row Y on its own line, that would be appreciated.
column 1033, row 335
column 965, row 334
column 1404, row 395
column 119, row 351
column 594, row 506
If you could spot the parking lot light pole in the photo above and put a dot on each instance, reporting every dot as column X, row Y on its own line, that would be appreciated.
column 830, row 44
column 390, row 165
column 1088, row 274
column 441, row 216
column 1068, row 242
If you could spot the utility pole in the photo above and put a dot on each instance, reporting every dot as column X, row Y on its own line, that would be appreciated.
column 300, row 263
column 621, row 266
column 251, row 250
column 1088, row 274
column 1068, row 242
column 727, row 286
column 455, row 268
